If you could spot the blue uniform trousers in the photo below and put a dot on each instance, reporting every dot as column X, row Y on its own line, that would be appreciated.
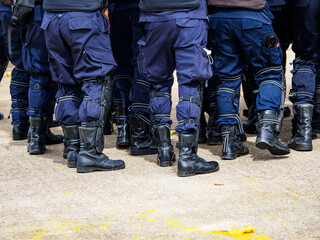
column 306, row 42
column 80, row 57
column 20, row 78
column 236, row 43
column 130, row 87
column 175, row 45
column 35, row 61
column 3, row 57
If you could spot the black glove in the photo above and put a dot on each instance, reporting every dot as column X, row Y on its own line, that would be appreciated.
column 21, row 12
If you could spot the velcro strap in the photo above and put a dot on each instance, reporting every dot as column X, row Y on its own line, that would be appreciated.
column 98, row 79
column 265, row 120
column 274, row 83
column 236, row 116
column 298, row 94
column 89, row 144
column 158, row 117
column 142, row 82
column 191, row 99
column 68, row 98
column 185, row 144
column 188, row 121
column 92, row 124
column 69, row 142
column 21, row 84
column 231, row 78
column 160, row 94
column 269, row 69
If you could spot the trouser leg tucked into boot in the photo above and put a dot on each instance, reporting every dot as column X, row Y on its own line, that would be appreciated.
column 91, row 157
column 301, row 128
column 72, row 143
column 267, row 134
column 142, row 142
column 189, row 162
column 123, row 139
column 37, row 136
column 166, row 156
column 214, row 135
column 232, row 145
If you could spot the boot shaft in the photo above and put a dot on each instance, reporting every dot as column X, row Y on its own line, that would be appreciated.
column 91, row 139
column 301, row 123
column 72, row 139
column 162, row 134
column 187, row 146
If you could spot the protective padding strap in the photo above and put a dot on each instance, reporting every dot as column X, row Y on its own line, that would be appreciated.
column 235, row 116
column 160, row 94
column 191, row 99
column 68, row 98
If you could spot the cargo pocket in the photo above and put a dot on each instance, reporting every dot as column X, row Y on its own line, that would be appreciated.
column 142, row 57
column 203, row 61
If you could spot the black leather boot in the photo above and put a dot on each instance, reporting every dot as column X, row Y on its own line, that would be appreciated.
column 123, row 139
column 90, row 156
column 189, row 162
column 301, row 128
column 316, row 114
column 232, row 145
column 72, row 143
column 214, row 135
column 20, row 132
column 249, row 126
column 1, row 115
column 38, row 129
column 286, row 111
column 142, row 142
column 202, row 129
column 54, row 123
column 52, row 138
column 166, row 156
column 108, row 125
column 267, row 135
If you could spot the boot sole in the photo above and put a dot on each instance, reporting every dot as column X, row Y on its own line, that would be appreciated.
column 123, row 145
column 301, row 148
column 72, row 164
column 141, row 152
column 272, row 149
column 189, row 174
column 230, row 156
column 213, row 142
column 19, row 138
column 36, row 152
column 91, row 169
column 233, row 156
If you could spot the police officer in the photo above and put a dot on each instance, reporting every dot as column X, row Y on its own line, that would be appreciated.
column 19, row 85
column 176, row 38
column 131, row 89
column 20, row 78
column 241, row 34
column 306, row 40
column 3, row 61
column 81, row 61
column 282, row 25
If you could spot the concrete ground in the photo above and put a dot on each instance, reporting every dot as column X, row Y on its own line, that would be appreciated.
column 41, row 198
